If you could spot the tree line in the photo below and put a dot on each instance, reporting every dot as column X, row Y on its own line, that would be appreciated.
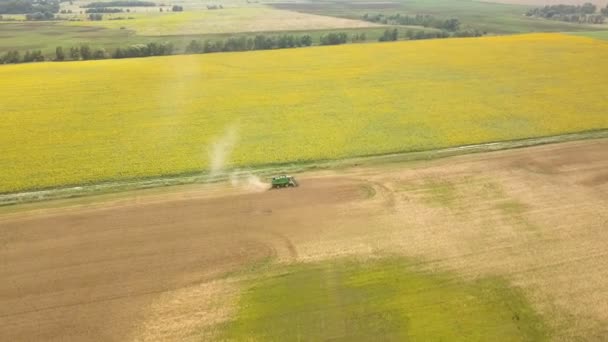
column 334, row 38
column 243, row 43
column 426, row 20
column 259, row 42
column 586, row 13
column 393, row 34
column 119, row 4
column 104, row 10
column 144, row 50
column 85, row 52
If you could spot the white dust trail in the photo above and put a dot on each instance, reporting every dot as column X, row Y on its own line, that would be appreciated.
column 219, row 156
column 220, row 151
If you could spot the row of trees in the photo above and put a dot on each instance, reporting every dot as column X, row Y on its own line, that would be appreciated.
column 393, row 35
column 260, row 42
column 39, row 16
column 126, row 3
column 13, row 57
column 104, row 10
column 334, row 38
column 425, row 20
column 584, row 14
column 85, row 52
column 389, row 36
column 144, row 50
column 358, row 37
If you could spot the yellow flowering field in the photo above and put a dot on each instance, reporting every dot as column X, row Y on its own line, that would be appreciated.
column 84, row 122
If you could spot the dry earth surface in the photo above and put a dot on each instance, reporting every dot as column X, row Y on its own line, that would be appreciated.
column 166, row 264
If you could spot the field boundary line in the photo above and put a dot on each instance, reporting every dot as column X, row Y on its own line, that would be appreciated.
column 295, row 167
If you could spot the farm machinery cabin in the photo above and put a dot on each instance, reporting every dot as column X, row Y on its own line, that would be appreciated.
column 283, row 181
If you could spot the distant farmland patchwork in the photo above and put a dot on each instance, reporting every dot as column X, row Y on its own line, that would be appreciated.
column 83, row 122
column 230, row 20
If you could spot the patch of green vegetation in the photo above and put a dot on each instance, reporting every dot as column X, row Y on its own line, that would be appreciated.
column 515, row 210
column 383, row 299
column 46, row 36
column 368, row 190
column 440, row 192
column 603, row 35
column 512, row 207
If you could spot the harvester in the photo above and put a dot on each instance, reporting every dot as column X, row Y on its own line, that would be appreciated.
column 283, row 181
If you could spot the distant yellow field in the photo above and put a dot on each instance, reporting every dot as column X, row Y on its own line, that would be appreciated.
column 81, row 122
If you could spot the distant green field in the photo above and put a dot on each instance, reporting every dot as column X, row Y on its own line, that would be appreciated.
column 386, row 300
column 490, row 17
column 177, row 28
column 46, row 36
column 594, row 34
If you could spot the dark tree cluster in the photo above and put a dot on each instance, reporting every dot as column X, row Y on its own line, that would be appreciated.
column 29, row 6
column 104, row 10
column 144, row 50
column 389, row 36
column 582, row 14
column 334, row 38
column 33, row 56
column 83, row 52
column 419, row 34
column 260, row 42
column 96, row 16
column 120, row 4
column 214, row 7
column 358, row 37
column 177, row 8
column 471, row 32
column 10, row 57
column 39, row 16
column 393, row 35
column 425, row 20
column 13, row 57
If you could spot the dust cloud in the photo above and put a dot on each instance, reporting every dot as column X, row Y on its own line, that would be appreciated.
column 221, row 150
column 247, row 180
column 219, row 156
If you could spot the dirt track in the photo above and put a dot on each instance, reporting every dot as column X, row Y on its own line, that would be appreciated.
column 152, row 264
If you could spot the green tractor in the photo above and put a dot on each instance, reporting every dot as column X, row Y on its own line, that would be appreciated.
column 283, row 181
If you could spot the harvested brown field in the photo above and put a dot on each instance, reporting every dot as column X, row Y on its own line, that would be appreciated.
column 164, row 264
